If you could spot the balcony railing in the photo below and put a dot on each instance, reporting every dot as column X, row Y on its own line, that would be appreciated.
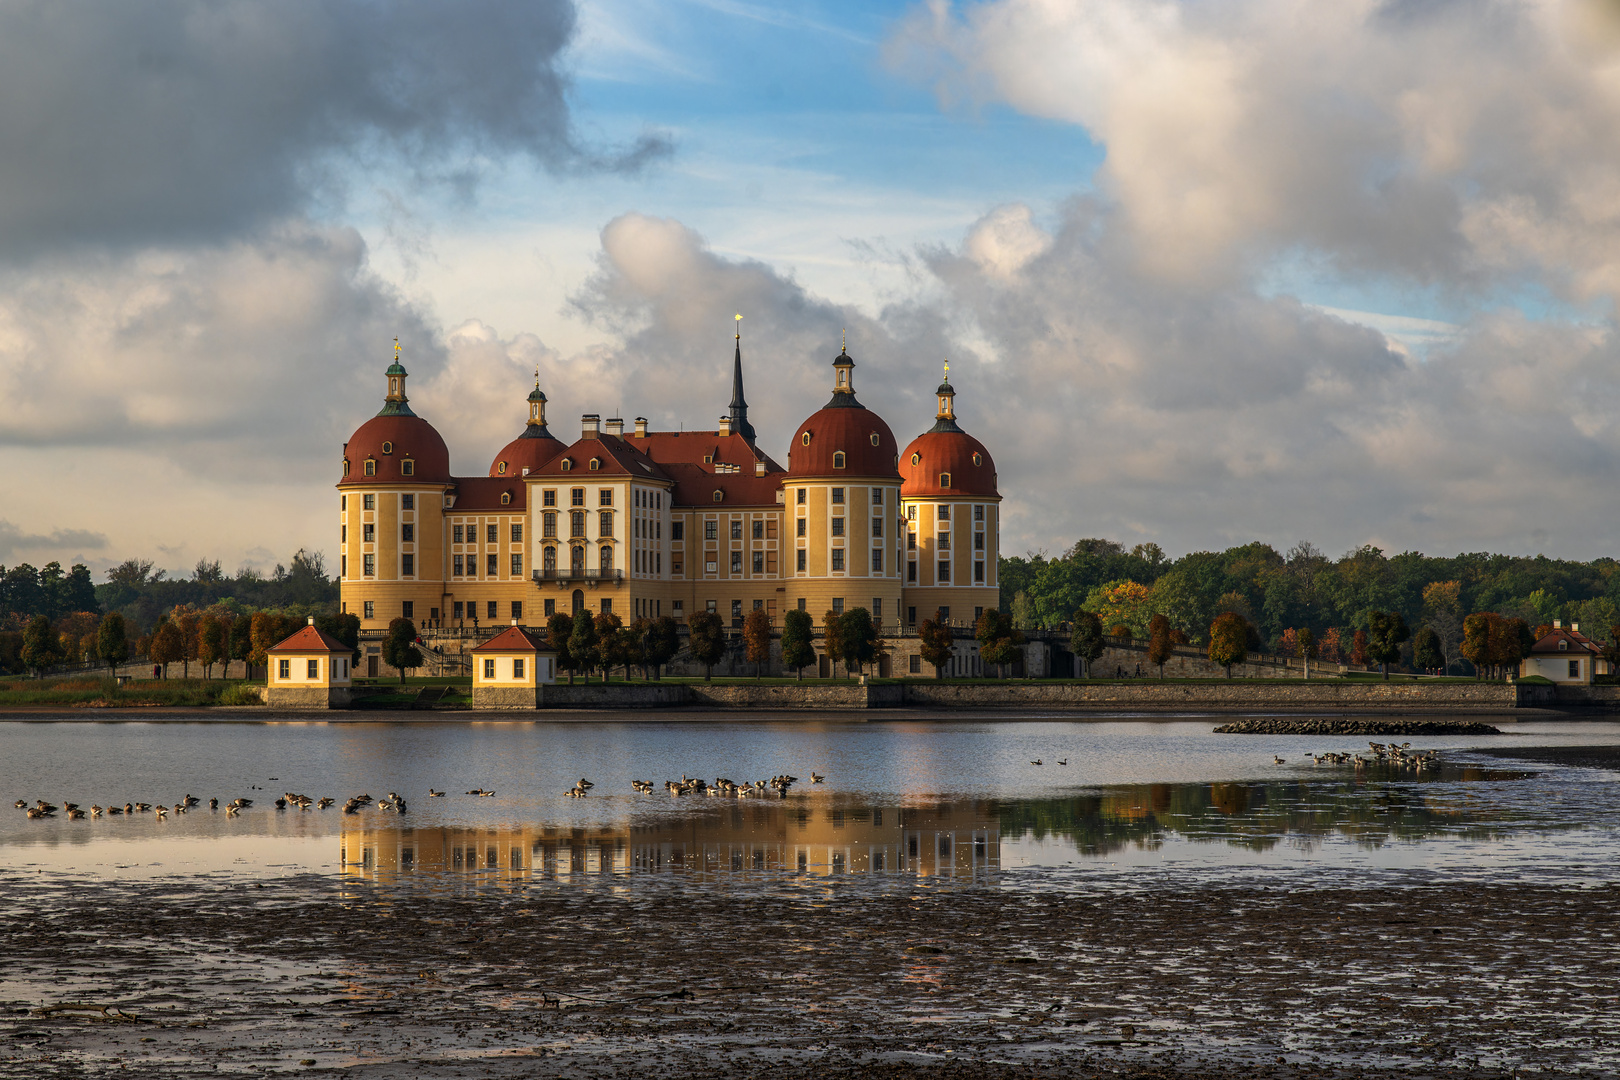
column 563, row 574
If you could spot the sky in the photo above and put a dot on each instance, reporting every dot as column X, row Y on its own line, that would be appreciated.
column 1204, row 273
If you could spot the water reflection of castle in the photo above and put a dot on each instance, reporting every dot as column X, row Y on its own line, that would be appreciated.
column 955, row 840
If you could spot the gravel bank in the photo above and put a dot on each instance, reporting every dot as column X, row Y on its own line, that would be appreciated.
column 787, row 977
column 1353, row 726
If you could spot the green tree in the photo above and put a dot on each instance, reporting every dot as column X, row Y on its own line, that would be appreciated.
column 242, row 640
column 663, row 642
column 345, row 627
column 39, row 649
column 756, row 634
column 708, row 640
column 1305, row 644
column 797, row 650
column 1086, row 639
column 1228, row 640
column 1161, row 642
column 584, row 645
column 1426, row 652
column 934, row 637
column 559, row 628
column 611, row 648
column 635, row 647
column 1023, row 611
column 1386, row 630
column 857, row 638
column 399, row 647
column 831, row 643
column 112, row 640
column 999, row 642
column 185, row 621
column 213, row 641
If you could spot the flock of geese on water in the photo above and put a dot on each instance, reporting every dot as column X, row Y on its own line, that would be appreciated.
column 394, row 803
column 1390, row 755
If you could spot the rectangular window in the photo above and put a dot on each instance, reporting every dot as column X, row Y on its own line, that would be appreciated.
column 677, row 567
column 978, row 513
column 517, row 532
column 911, row 541
column 517, row 668
column 877, row 560
column 343, row 566
column 604, row 523
column 492, row 566
column 710, row 566
column 759, row 562
column 343, row 502
column 877, row 608
column 576, row 523
column 455, row 610
column 551, row 608
column 801, row 560
column 911, row 573
column 492, row 534
column 911, row 618
column 944, row 571
column 313, row 669
column 770, row 563
column 800, row 527
column 1574, row 669
column 978, row 572
column 284, row 669
column 489, row 667
column 456, row 534
column 838, row 605
column 370, row 565
column 407, row 533
column 407, row 501
column 838, row 496
column 493, row 610
column 371, row 609
column 460, row 568
column 736, row 530
column 759, row 530
column 343, row 534
column 736, row 609
column 517, row 564
column 978, row 541
column 944, row 513
column 677, row 530
column 576, row 497
column 607, row 607
column 838, row 526
column 838, row 558
column 711, row 529
column 944, row 541
column 407, row 565
column 736, row 562
column 800, row 499
column 877, row 496
column 517, row 609
column 604, row 497
column 548, row 497
column 548, row 526
column 368, row 502
column 368, row 532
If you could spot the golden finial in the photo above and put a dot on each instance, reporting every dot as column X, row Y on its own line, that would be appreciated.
column 396, row 350
column 947, row 371
column 537, row 376
column 843, row 340
column 739, row 328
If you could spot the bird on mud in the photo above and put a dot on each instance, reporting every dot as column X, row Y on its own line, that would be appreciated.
column 584, row 784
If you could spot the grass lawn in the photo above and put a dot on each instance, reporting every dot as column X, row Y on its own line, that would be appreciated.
column 106, row 693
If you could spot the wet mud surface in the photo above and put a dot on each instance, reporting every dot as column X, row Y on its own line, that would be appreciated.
column 785, row 976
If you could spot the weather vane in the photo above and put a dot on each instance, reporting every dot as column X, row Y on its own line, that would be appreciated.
column 843, row 339
column 739, row 327
column 396, row 349
column 537, row 376
column 947, row 371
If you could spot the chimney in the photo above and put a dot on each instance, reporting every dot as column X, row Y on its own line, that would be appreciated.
column 759, row 467
column 514, row 622
column 1557, row 623
column 1575, row 626
column 641, row 427
column 312, row 620
column 615, row 427
column 590, row 425
column 725, row 425
column 525, row 470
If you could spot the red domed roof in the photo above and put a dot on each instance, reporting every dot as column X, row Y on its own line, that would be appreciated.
column 964, row 458
column 529, row 451
column 390, row 440
column 868, row 445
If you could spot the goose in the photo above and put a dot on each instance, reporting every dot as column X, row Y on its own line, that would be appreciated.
column 1278, row 760
column 179, row 807
column 38, row 812
column 815, row 777
column 241, row 804
column 281, row 804
column 326, row 801
column 191, row 800
column 1063, row 761
column 586, row 784
column 231, row 810
column 114, row 811
column 21, row 804
column 1037, row 761
column 95, row 810
column 213, row 804
column 70, row 806
column 129, row 808
column 143, row 807
column 161, row 811
column 480, row 791
column 75, row 814
column 435, row 794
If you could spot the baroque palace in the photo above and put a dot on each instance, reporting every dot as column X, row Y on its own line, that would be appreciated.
column 649, row 523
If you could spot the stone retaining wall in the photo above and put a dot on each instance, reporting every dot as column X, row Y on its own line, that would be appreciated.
column 506, row 697
column 307, row 697
column 1154, row 695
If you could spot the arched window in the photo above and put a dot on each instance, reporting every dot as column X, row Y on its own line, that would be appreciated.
column 501, row 468
column 944, row 479
column 371, row 466
column 874, row 438
column 838, row 459
column 579, row 601
column 596, row 463
column 548, row 560
column 805, row 438
column 407, row 467
column 576, row 558
column 506, row 498
column 388, row 448
column 978, row 458
column 915, row 458
column 718, row 495
column 345, row 466
column 567, row 463
column 607, row 558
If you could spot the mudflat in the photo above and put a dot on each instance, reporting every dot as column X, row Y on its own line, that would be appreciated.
column 785, row 976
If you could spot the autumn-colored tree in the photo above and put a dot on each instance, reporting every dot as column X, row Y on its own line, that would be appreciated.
column 934, row 637
column 1122, row 603
column 559, row 628
column 663, row 641
column 1511, row 640
column 1332, row 646
column 1228, row 640
column 756, row 634
column 1306, row 648
column 213, row 642
column 40, row 647
column 262, row 635
column 184, row 618
column 1288, row 643
column 797, row 650
column 1358, row 648
column 1161, row 646
column 708, row 640
column 166, row 646
column 1442, row 610
column 1611, row 649
column 1476, row 641
column 831, row 643
column 1086, row 639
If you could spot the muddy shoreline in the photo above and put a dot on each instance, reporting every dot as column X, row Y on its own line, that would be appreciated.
column 784, row 976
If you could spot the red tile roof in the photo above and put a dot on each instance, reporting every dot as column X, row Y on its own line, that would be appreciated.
column 484, row 493
column 851, row 429
column 515, row 639
column 408, row 437
column 950, row 452
column 614, row 456
column 308, row 640
column 1576, row 642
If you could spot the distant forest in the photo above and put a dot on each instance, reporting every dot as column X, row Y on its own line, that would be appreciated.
column 1278, row 592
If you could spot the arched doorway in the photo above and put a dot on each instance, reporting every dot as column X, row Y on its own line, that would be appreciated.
column 550, row 561
column 579, row 599
column 577, row 559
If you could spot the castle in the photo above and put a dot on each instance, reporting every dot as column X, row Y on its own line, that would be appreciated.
column 650, row 523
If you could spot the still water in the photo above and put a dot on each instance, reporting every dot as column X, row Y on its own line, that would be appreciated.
column 1136, row 804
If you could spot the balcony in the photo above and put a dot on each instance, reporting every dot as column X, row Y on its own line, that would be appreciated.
column 562, row 575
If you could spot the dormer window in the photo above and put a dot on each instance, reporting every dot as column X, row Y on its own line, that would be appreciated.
column 345, row 466
column 915, row 458
column 596, row 463
column 978, row 458
column 371, row 466
column 501, row 468
column 407, row 467
column 388, row 448
column 944, row 479
column 506, row 498
column 805, row 438
column 567, row 464
column 718, row 495
column 1563, row 646
column 838, row 459
column 874, row 438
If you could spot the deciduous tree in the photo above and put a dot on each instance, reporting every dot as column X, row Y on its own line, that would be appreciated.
column 610, row 644
column 399, row 647
column 663, row 642
column 708, row 640
column 584, row 646
column 934, row 637
column 112, row 640
column 831, row 643
column 999, row 642
column 1086, row 638
column 1160, row 646
column 756, row 634
column 166, row 646
column 39, row 645
column 559, row 628
column 1386, row 630
column 1426, row 652
column 857, row 638
column 213, row 642
column 1305, row 645
column 797, row 650
column 1228, row 640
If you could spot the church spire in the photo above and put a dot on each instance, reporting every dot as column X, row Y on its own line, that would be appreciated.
column 739, row 405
